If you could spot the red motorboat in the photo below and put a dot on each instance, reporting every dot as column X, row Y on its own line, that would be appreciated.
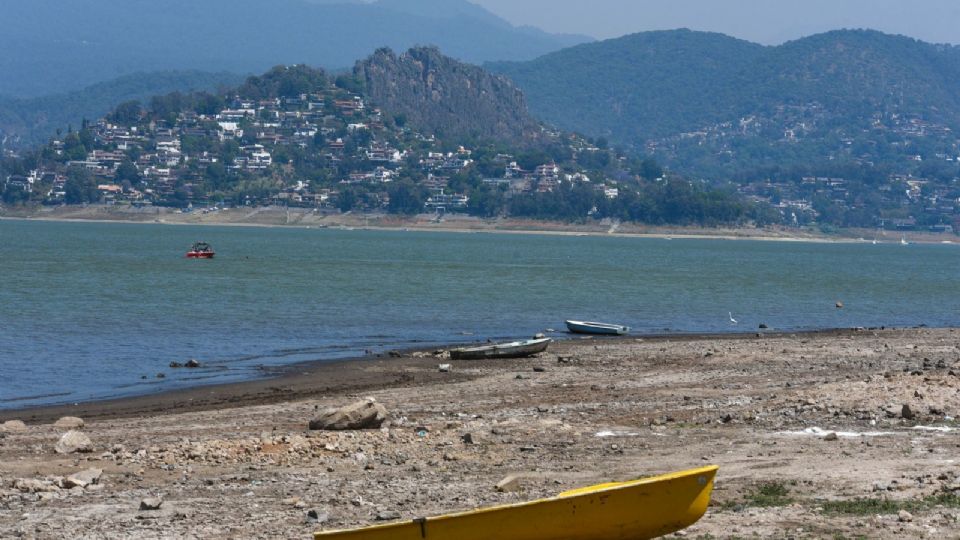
column 201, row 250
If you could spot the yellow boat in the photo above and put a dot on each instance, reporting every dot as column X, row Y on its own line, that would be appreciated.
column 645, row 508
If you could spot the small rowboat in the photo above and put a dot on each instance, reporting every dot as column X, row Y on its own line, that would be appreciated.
column 634, row 510
column 514, row 349
column 581, row 327
column 201, row 250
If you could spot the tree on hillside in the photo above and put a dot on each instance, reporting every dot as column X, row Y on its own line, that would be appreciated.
column 284, row 82
column 348, row 199
column 650, row 169
column 127, row 171
column 487, row 201
column 74, row 148
column 127, row 113
column 406, row 197
column 15, row 195
column 80, row 186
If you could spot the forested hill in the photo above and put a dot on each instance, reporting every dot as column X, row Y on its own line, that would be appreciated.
column 29, row 121
column 52, row 46
column 643, row 85
column 720, row 107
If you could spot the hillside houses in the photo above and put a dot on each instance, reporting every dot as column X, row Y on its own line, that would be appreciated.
column 294, row 137
column 299, row 149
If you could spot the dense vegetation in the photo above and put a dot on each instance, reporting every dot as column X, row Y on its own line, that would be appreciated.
column 639, row 86
column 718, row 107
column 851, row 128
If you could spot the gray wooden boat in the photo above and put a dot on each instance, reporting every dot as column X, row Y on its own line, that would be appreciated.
column 514, row 349
column 583, row 327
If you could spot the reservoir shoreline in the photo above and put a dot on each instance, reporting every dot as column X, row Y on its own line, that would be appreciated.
column 452, row 223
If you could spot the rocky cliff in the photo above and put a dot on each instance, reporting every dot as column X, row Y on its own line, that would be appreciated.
column 437, row 94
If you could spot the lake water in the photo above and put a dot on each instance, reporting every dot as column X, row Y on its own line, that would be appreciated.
column 87, row 310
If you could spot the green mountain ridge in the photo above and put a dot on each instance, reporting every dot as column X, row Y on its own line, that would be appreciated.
column 718, row 107
column 25, row 122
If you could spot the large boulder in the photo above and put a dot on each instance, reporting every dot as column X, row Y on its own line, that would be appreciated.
column 83, row 478
column 73, row 441
column 13, row 426
column 367, row 414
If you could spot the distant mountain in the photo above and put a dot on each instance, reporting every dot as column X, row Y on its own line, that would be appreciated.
column 438, row 95
column 25, row 122
column 53, row 46
column 633, row 87
column 721, row 107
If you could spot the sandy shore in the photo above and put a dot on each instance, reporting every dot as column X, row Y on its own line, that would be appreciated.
column 305, row 218
column 238, row 461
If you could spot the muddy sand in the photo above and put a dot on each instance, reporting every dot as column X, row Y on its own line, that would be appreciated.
column 841, row 434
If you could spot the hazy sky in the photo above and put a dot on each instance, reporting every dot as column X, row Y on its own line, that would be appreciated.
column 763, row 21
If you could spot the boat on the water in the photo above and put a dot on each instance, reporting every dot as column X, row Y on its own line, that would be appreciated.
column 514, row 349
column 639, row 509
column 584, row 327
column 201, row 250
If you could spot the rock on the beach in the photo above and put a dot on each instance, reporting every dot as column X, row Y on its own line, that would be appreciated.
column 510, row 483
column 73, row 441
column 469, row 438
column 30, row 485
column 906, row 412
column 83, row 478
column 151, row 503
column 318, row 517
column 69, row 422
column 904, row 516
column 13, row 426
column 832, row 436
column 367, row 414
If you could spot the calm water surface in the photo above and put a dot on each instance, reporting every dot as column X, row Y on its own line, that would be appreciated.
column 87, row 310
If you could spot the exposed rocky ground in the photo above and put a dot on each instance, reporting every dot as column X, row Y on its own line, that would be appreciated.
column 834, row 435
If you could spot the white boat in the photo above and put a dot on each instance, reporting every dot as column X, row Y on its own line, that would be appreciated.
column 584, row 327
column 514, row 349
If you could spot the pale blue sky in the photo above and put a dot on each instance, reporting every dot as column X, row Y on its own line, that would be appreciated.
column 763, row 21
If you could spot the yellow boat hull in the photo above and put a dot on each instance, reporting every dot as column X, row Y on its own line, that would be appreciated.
column 638, row 509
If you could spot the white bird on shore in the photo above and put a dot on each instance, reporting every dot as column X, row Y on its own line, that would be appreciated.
column 732, row 320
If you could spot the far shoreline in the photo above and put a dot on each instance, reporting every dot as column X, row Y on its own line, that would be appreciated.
column 299, row 218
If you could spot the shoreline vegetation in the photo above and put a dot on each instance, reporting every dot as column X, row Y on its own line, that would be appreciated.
column 277, row 216
column 871, row 411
